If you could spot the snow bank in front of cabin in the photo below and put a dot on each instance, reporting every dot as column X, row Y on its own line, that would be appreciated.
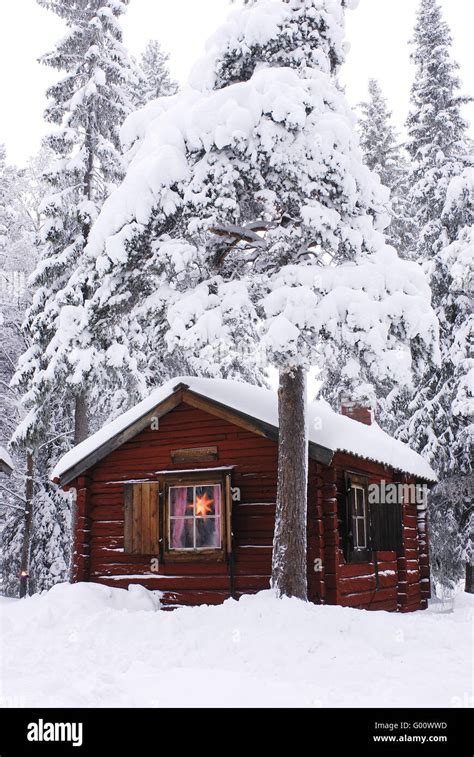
column 325, row 427
column 86, row 645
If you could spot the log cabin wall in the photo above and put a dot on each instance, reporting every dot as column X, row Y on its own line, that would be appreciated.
column 99, row 534
column 315, row 535
column 398, row 585
column 255, row 461
column 413, row 563
column 423, row 555
column 82, row 531
column 325, row 537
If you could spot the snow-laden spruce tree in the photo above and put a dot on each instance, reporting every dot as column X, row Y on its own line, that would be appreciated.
column 439, row 417
column 384, row 154
column 19, row 190
column 87, row 105
column 248, row 205
column 5, row 202
column 8, row 506
column 156, row 80
column 27, row 486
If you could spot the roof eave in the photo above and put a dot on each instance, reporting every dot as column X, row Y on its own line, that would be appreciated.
column 182, row 393
column 5, row 468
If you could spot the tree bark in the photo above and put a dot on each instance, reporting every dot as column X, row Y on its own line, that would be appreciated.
column 81, row 425
column 289, row 567
column 469, row 583
column 25, row 548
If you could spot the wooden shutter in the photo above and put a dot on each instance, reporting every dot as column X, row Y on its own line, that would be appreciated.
column 141, row 518
column 386, row 527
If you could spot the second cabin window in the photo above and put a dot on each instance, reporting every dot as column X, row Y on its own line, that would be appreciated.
column 355, row 527
column 359, row 517
column 194, row 517
column 367, row 525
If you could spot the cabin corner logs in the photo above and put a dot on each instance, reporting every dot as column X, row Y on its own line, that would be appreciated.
column 386, row 580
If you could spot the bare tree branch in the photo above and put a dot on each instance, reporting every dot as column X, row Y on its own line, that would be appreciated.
column 13, row 494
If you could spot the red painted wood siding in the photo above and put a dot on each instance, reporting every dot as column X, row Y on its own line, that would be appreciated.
column 255, row 459
column 354, row 584
column 99, row 538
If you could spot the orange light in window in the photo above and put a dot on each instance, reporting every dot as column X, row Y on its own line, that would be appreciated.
column 204, row 505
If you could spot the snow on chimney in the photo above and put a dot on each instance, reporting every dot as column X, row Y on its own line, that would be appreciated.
column 357, row 411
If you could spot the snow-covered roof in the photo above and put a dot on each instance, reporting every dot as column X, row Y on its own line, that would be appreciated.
column 325, row 427
column 6, row 463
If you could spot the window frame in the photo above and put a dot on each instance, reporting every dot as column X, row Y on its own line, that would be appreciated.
column 195, row 479
column 353, row 481
column 355, row 487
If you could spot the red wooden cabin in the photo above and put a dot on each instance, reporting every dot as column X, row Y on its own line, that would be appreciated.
column 178, row 494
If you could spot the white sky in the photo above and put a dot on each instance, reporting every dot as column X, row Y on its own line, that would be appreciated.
column 378, row 32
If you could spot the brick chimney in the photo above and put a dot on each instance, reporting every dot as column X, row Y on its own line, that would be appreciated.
column 357, row 411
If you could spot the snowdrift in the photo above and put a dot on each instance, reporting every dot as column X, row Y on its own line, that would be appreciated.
column 86, row 645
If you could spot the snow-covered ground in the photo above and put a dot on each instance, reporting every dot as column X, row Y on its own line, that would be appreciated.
column 86, row 645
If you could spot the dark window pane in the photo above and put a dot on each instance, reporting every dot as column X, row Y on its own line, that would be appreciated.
column 361, row 542
column 208, row 533
column 182, row 533
column 354, row 531
column 359, row 502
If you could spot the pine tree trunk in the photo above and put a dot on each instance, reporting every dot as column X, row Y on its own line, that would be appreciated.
column 469, row 583
column 81, row 425
column 25, row 548
column 289, row 571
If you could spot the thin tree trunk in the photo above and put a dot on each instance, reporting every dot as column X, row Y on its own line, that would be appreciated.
column 289, row 571
column 25, row 548
column 81, row 425
column 469, row 583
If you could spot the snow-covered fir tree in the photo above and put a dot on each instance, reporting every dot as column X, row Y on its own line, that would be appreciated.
column 26, row 190
column 439, row 417
column 87, row 106
column 452, row 533
column 156, row 80
column 125, row 317
column 6, row 180
column 255, row 221
column 384, row 154
column 11, row 342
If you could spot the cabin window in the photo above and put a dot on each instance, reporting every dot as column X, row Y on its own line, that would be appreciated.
column 356, row 531
column 369, row 525
column 194, row 517
column 359, row 517
column 179, row 516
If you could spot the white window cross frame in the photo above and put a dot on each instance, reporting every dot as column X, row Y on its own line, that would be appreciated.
column 357, row 516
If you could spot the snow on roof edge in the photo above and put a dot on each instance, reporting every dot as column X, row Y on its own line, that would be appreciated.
column 326, row 428
column 5, row 457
